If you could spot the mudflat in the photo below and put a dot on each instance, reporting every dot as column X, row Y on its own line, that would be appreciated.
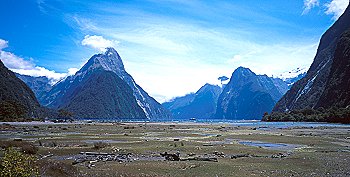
column 185, row 149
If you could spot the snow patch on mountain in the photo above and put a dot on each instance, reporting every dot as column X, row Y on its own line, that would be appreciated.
column 292, row 74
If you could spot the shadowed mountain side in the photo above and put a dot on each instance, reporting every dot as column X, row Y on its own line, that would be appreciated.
column 104, row 95
column 17, row 100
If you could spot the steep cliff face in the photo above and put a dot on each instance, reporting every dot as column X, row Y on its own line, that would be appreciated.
column 39, row 85
column 17, row 101
column 63, row 92
column 337, row 87
column 201, row 104
column 248, row 96
column 307, row 92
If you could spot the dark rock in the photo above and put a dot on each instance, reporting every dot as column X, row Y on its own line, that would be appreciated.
column 171, row 157
column 240, row 156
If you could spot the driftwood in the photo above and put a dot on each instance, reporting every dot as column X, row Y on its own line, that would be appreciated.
column 240, row 156
column 208, row 159
column 176, row 157
column 93, row 157
column 46, row 156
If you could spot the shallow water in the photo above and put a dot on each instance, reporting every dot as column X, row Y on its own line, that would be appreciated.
column 272, row 146
column 104, row 141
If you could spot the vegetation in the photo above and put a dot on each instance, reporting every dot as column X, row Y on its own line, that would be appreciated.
column 25, row 147
column 100, row 145
column 12, row 111
column 66, row 115
column 335, row 115
column 15, row 163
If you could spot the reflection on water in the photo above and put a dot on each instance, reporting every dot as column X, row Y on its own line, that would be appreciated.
column 272, row 146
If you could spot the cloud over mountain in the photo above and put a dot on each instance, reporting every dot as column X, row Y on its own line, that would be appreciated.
column 27, row 66
column 98, row 42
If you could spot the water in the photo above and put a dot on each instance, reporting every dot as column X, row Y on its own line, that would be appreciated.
column 272, row 146
column 248, row 123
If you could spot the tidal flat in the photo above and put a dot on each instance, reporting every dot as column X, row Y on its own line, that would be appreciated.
column 184, row 149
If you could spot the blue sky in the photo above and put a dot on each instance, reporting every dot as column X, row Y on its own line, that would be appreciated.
column 170, row 47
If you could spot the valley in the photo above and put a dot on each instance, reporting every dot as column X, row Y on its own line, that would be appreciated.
column 237, row 149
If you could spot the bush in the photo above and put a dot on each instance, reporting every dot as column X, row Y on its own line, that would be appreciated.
column 56, row 168
column 333, row 114
column 26, row 147
column 15, row 163
column 100, row 145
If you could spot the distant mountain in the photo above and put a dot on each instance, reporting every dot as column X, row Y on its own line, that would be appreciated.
column 179, row 102
column 79, row 87
column 293, row 76
column 17, row 101
column 326, row 82
column 249, row 96
column 201, row 104
column 39, row 85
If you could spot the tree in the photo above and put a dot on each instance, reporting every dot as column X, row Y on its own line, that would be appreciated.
column 64, row 114
column 12, row 111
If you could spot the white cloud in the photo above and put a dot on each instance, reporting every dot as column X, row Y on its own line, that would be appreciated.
column 336, row 8
column 3, row 44
column 309, row 4
column 98, row 42
column 26, row 67
column 72, row 71
column 40, row 71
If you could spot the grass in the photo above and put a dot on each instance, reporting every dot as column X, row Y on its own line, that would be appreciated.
column 151, row 139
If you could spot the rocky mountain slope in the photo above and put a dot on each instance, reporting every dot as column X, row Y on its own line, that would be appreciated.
column 249, row 96
column 326, row 76
column 66, row 91
column 201, row 104
column 39, row 85
column 17, row 101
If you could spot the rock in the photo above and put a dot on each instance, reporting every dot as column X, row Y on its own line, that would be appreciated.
column 240, row 156
column 207, row 144
column 279, row 155
column 171, row 157
column 221, row 154
column 191, row 154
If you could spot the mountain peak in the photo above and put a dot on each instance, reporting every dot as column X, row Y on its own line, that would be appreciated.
column 243, row 72
column 108, row 61
column 111, row 51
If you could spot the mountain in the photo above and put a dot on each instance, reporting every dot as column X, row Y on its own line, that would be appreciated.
column 103, row 95
column 249, row 96
column 325, row 84
column 17, row 101
column 179, row 102
column 104, row 66
column 337, row 88
column 293, row 76
column 39, row 85
column 201, row 104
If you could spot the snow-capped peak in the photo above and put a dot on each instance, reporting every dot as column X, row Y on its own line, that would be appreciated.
column 292, row 74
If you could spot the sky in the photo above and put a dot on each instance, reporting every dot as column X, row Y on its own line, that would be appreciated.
column 170, row 47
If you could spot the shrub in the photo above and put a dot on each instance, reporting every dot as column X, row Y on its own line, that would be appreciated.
column 100, row 145
column 26, row 147
column 15, row 163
